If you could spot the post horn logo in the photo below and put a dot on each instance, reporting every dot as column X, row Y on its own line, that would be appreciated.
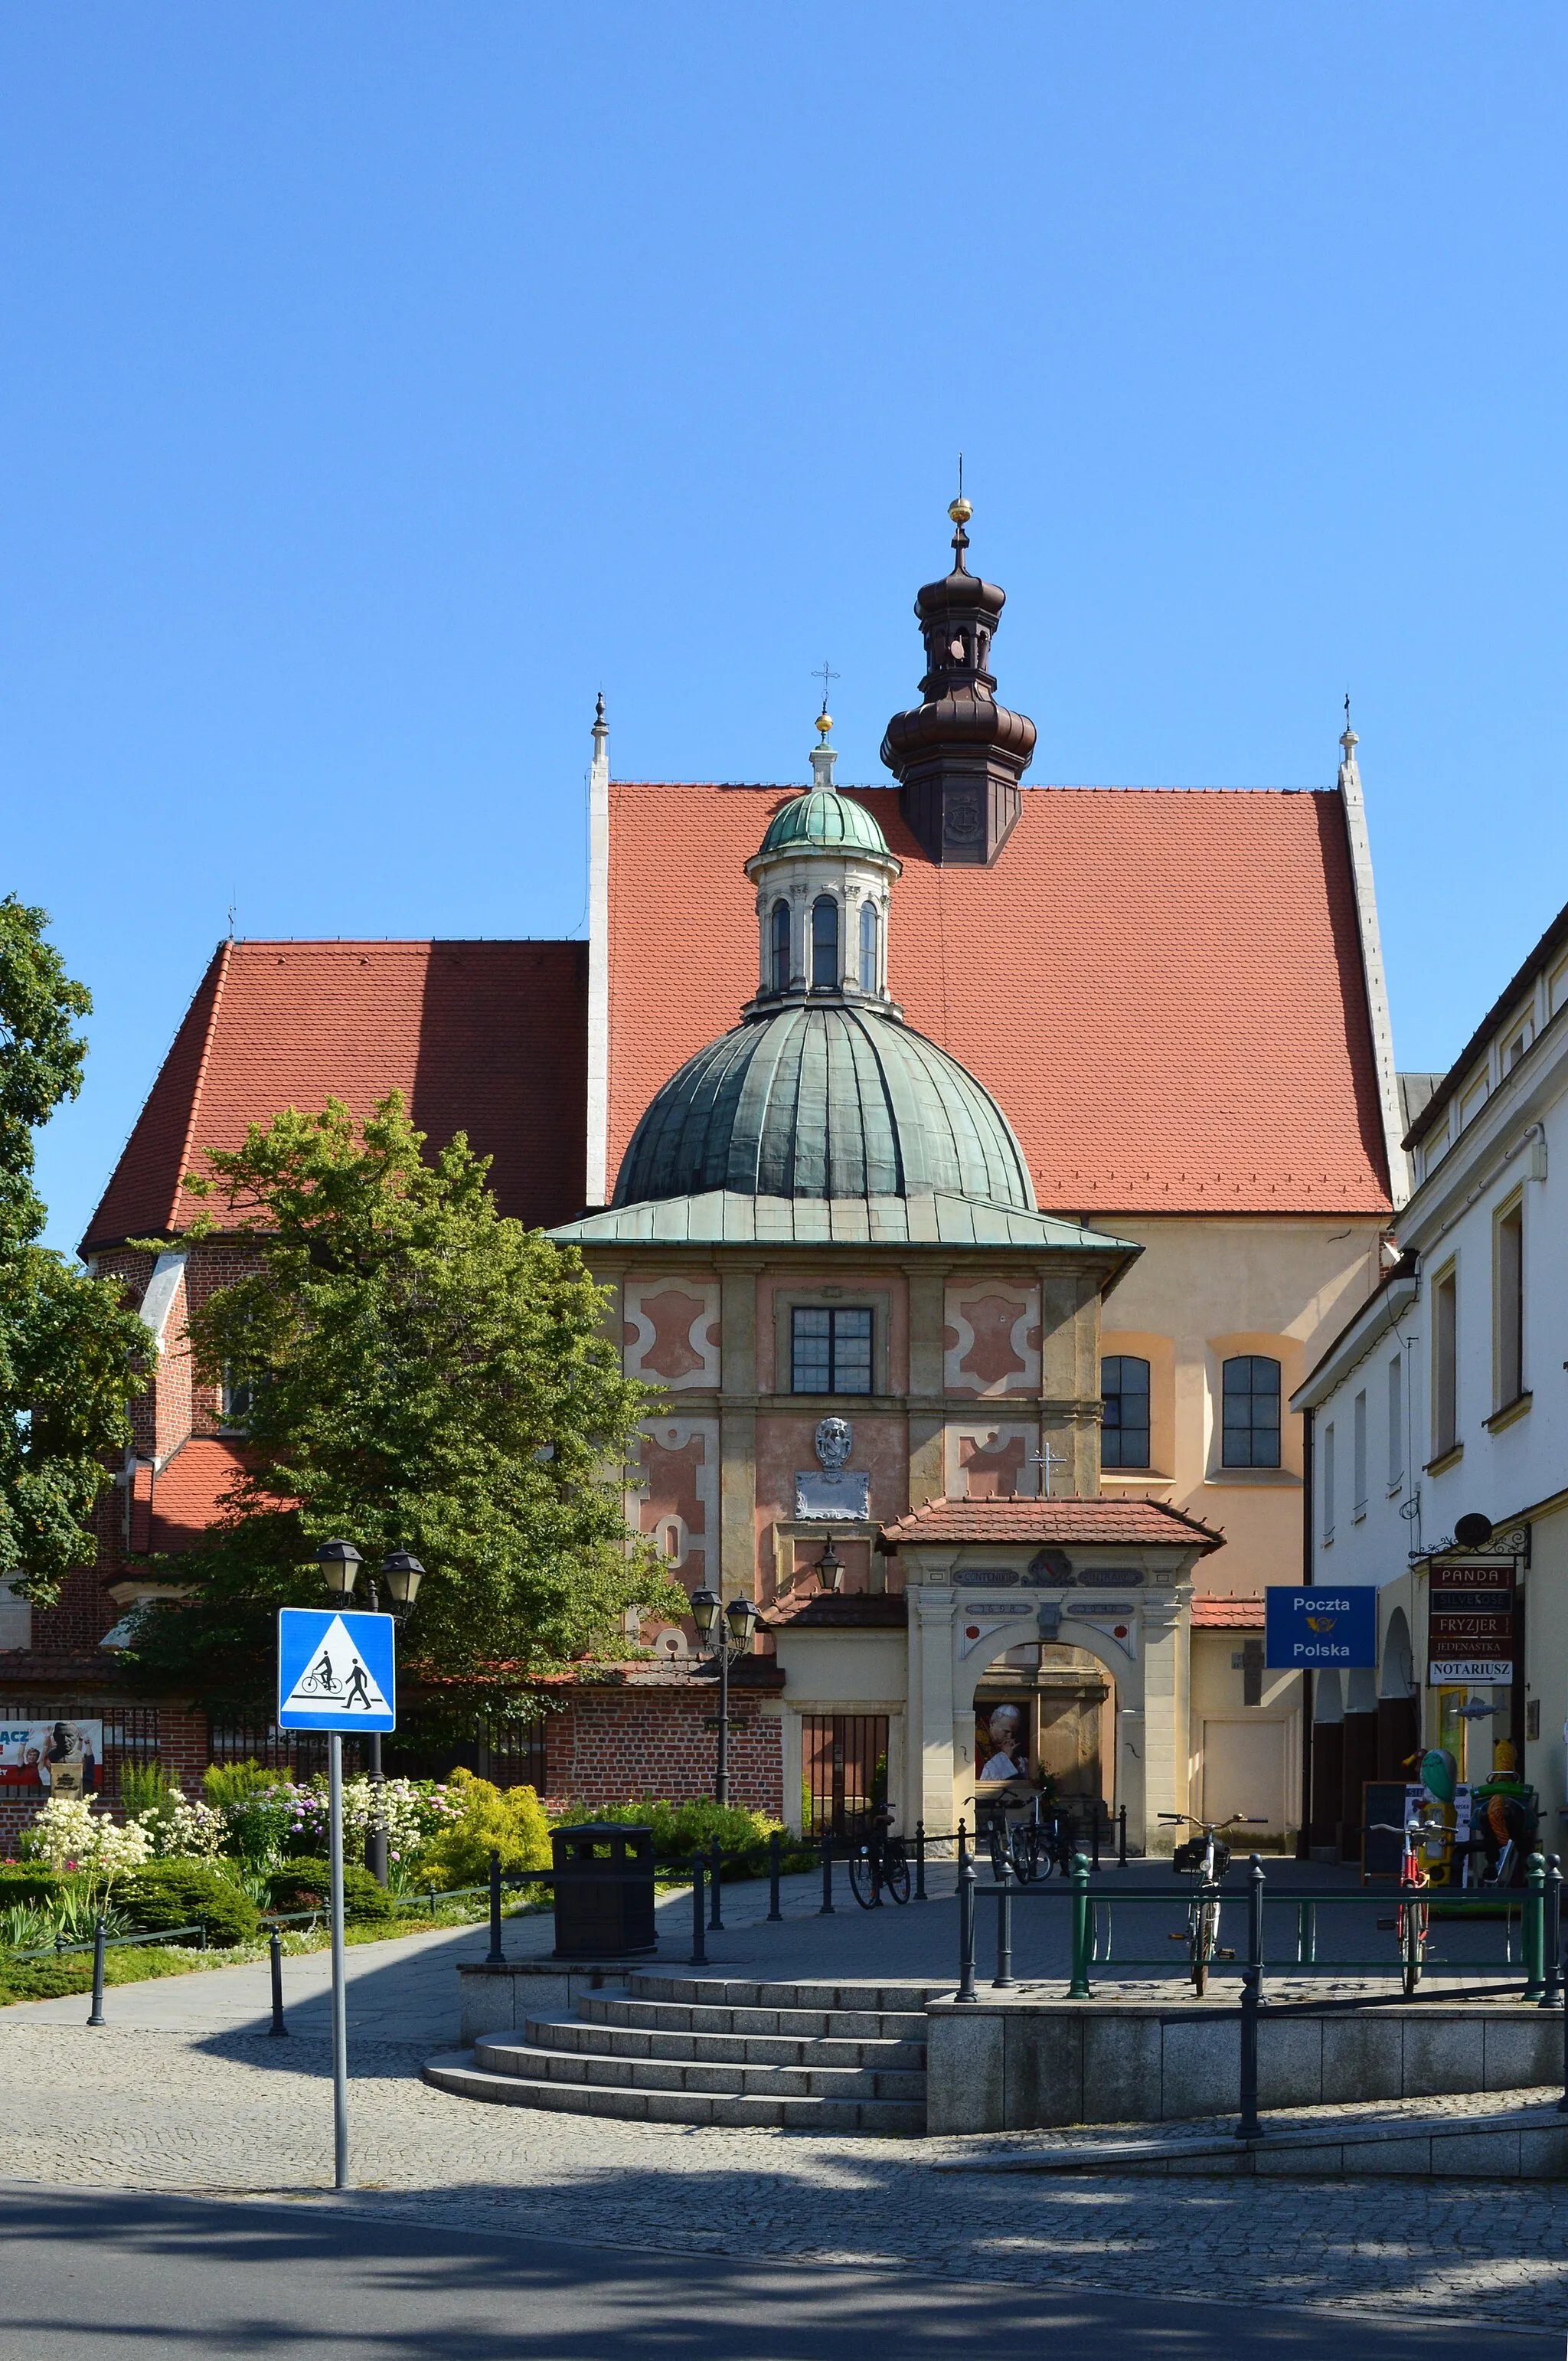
column 1322, row 1622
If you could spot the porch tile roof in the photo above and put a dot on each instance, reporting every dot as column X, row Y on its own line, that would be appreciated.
column 1227, row 1614
column 1062, row 1520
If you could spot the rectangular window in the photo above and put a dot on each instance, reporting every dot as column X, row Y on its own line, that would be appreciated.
column 1514, row 1049
column 236, row 1399
column 1396, row 1423
column 830, row 1351
column 1509, row 1285
column 1445, row 1363
column 1328, row 1500
column 1358, row 1438
column 1250, row 1408
column 1124, row 1411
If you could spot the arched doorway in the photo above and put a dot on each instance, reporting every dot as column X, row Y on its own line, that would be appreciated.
column 1045, row 1706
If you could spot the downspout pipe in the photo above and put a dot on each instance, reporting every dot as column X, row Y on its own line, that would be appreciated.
column 1304, row 1833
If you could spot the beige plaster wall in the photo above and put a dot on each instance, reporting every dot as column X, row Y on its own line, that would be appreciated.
column 1205, row 1288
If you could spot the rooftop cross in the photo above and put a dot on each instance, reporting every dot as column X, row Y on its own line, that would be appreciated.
column 824, row 672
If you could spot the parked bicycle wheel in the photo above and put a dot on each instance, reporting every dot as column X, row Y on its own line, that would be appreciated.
column 863, row 1877
column 1001, row 1847
column 1205, row 1935
column 895, row 1871
column 1031, row 1858
column 1412, row 1939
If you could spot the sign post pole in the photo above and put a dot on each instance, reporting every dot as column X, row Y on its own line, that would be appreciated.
column 337, row 1671
column 339, row 1990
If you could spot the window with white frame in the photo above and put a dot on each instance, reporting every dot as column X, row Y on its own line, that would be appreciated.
column 1396, row 1423
column 868, row 932
column 1327, row 1502
column 1445, row 1363
column 1358, row 1449
column 824, row 943
column 1516, row 1045
column 1508, row 1279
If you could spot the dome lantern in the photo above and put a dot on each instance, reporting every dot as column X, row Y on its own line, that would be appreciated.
column 823, row 873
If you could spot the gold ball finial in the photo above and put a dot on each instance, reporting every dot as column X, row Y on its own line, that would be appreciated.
column 960, row 510
column 824, row 724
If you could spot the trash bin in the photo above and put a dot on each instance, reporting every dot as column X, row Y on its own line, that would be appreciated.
column 604, row 1891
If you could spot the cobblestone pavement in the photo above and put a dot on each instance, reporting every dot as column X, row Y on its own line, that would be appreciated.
column 230, row 2113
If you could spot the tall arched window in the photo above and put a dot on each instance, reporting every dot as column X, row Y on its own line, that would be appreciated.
column 780, row 946
column 824, row 943
column 1250, row 1403
column 867, row 947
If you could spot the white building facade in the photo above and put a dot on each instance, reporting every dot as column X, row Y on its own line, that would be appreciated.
column 1441, row 1410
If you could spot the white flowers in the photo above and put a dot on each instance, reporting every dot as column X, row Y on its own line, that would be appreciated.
column 177, row 1829
column 69, row 1833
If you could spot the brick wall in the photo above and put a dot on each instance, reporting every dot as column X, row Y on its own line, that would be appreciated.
column 605, row 1746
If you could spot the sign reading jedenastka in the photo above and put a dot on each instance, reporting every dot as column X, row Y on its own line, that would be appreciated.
column 1470, row 1622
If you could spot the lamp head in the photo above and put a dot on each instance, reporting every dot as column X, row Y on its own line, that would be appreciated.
column 741, row 1616
column 340, row 1563
column 705, row 1612
column 830, row 1568
column 403, row 1576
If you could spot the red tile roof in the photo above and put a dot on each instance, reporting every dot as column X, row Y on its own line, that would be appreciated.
column 1133, row 1521
column 487, row 1037
column 1162, row 989
column 842, row 1610
column 1228, row 1614
column 183, row 1496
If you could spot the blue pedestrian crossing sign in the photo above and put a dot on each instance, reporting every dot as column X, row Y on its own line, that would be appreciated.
column 335, row 1671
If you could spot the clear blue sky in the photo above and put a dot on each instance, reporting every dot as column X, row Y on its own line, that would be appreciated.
column 380, row 380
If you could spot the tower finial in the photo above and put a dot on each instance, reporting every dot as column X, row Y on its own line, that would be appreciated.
column 961, row 512
column 1348, row 738
column 824, row 672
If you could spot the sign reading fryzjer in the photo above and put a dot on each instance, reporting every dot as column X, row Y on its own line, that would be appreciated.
column 1470, row 1622
column 335, row 1671
column 1337, row 1627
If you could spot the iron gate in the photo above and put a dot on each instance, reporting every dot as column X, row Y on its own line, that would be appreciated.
column 843, row 1771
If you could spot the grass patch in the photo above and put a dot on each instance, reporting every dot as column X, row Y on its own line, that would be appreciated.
column 132, row 1963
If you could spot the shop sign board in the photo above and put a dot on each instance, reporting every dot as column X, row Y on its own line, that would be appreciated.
column 1470, row 1621
column 1334, row 1628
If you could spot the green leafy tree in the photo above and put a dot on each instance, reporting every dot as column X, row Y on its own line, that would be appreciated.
column 73, row 1357
column 423, row 1375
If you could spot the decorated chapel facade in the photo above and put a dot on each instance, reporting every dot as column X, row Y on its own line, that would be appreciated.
column 975, row 1169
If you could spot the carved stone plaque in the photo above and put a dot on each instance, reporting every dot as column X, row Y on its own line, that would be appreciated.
column 832, row 1496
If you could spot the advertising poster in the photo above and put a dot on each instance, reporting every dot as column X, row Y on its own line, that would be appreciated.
column 1001, row 1735
column 59, row 1758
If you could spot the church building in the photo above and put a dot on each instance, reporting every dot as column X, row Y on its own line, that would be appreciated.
column 975, row 1168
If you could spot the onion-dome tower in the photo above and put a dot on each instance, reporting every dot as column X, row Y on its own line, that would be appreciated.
column 958, row 756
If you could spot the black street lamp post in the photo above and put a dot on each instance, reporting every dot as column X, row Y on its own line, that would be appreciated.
column 740, row 1616
column 340, row 1563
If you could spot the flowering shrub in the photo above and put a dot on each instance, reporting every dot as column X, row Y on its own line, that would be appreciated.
column 269, row 1825
column 69, row 1833
column 177, row 1830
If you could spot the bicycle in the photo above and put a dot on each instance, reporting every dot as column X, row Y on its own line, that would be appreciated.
column 1029, row 1848
column 878, row 1864
column 1410, row 1921
column 1205, row 1857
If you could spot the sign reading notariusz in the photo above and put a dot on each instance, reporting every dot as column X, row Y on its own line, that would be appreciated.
column 335, row 1671
column 1337, row 1627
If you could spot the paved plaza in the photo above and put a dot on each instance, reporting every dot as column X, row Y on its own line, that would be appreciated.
column 184, row 2094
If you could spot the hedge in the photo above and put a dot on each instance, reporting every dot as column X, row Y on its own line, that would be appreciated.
column 170, row 1894
column 28, row 1880
column 304, row 1883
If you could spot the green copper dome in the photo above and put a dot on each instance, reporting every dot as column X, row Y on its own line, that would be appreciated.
column 823, row 821
column 824, row 1102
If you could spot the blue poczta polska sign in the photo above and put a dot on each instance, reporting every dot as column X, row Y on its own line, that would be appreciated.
column 335, row 1671
column 1333, row 1629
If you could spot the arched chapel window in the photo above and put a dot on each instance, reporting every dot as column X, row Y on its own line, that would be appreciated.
column 780, row 946
column 1250, row 1406
column 868, row 946
column 824, row 943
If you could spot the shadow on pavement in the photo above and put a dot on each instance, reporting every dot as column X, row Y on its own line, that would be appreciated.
column 101, row 2275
